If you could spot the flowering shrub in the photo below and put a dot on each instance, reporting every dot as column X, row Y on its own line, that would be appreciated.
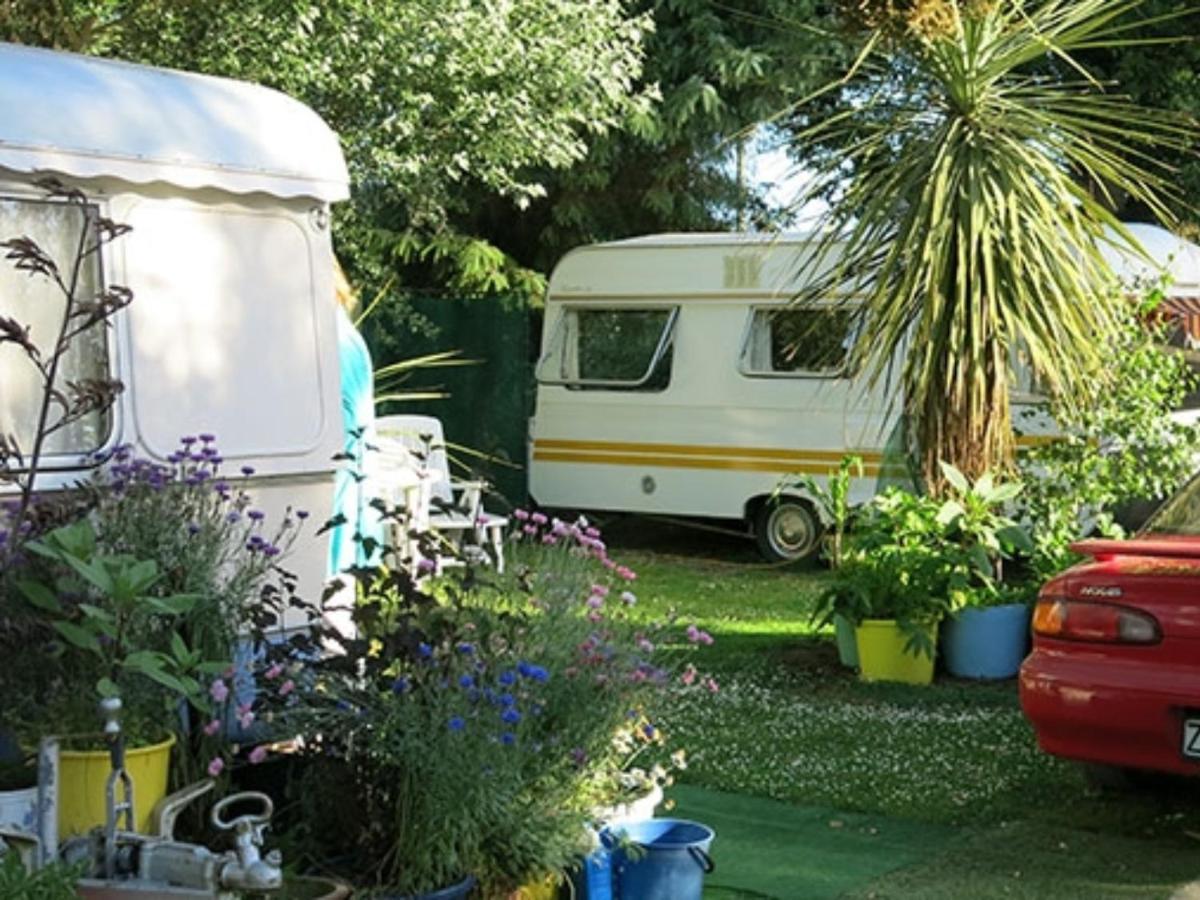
column 144, row 593
column 478, row 721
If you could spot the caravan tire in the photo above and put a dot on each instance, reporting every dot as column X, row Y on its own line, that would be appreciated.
column 786, row 528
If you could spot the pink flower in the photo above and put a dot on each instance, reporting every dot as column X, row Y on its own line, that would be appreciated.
column 520, row 515
column 530, row 529
column 287, row 687
column 595, row 601
column 628, row 598
column 705, row 638
column 246, row 718
column 212, row 727
column 608, row 563
column 693, row 634
column 594, row 616
column 219, row 691
column 425, row 566
column 274, row 672
column 627, row 573
column 216, row 767
column 689, row 675
column 549, row 540
column 538, row 518
column 644, row 645
column 258, row 754
column 600, row 590
column 711, row 684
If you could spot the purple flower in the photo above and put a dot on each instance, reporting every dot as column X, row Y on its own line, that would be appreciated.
column 287, row 687
column 426, row 566
column 520, row 515
column 456, row 723
column 187, row 440
column 216, row 766
column 233, row 516
column 302, row 514
column 270, row 550
column 208, row 438
column 219, row 691
column 247, row 471
column 400, row 685
column 255, row 515
column 258, row 754
column 193, row 528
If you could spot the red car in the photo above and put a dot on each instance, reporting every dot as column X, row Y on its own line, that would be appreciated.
column 1114, row 676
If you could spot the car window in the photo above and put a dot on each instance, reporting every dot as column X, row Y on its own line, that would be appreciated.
column 1178, row 515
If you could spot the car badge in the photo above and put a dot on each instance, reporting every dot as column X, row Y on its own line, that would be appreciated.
column 1092, row 590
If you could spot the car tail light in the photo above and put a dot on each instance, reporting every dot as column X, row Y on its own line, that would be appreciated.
column 1107, row 623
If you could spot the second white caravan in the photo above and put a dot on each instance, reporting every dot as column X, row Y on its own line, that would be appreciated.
column 676, row 378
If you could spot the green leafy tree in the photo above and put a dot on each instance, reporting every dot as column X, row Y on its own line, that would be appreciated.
column 436, row 101
column 975, row 193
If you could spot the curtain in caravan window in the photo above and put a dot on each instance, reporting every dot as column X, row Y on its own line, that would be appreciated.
column 35, row 302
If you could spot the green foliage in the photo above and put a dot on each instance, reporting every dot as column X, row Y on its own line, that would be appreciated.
column 52, row 882
column 975, row 195
column 473, row 721
column 833, row 501
column 916, row 558
column 1121, row 446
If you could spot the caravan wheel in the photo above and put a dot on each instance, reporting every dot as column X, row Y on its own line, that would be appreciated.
column 786, row 528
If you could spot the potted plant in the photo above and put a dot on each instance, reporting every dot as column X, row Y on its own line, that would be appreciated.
column 833, row 502
column 896, row 582
column 467, row 729
column 987, row 634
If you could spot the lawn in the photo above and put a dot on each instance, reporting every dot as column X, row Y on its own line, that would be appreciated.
column 789, row 723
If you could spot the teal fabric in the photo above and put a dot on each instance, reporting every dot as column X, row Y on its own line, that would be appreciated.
column 351, row 494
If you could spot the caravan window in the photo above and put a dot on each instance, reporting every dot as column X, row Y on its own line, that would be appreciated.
column 612, row 349
column 798, row 342
column 36, row 303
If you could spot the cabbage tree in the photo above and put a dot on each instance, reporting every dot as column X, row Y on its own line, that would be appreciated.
column 978, row 169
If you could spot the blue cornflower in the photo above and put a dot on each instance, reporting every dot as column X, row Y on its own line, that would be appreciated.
column 648, row 730
column 511, row 716
column 524, row 668
column 467, row 648
column 400, row 685
column 538, row 673
column 507, row 677
column 456, row 723
column 508, row 738
column 424, row 650
column 465, row 681
column 506, row 700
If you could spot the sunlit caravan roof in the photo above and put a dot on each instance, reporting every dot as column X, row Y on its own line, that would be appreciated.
column 91, row 118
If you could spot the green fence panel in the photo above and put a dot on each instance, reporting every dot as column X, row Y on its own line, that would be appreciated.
column 489, row 403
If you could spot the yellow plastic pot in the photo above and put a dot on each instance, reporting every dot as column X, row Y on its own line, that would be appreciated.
column 882, row 657
column 84, row 773
column 542, row 889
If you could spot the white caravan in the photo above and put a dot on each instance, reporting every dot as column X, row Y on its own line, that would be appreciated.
column 675, row 379
column 227, row 187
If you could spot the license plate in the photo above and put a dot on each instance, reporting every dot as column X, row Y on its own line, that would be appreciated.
column 1191, row 738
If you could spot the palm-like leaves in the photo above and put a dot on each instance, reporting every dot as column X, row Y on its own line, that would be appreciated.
column 972, row 193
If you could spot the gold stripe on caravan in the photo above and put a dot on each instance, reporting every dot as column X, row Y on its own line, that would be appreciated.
column 867, row 456
column 693, row 462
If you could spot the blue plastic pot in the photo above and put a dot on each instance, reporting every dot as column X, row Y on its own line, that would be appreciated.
column 668, row 861
column 988, row 642
column 593, row 879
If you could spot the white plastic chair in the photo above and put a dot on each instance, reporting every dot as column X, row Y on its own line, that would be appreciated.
column 451, row 509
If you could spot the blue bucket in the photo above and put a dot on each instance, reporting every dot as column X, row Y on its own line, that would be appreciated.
column 986, row 642
column 668, row 861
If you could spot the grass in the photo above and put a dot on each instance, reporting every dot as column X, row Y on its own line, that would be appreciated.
column 789, row 723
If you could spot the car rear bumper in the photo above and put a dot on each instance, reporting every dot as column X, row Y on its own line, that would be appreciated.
column 1113, row 712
